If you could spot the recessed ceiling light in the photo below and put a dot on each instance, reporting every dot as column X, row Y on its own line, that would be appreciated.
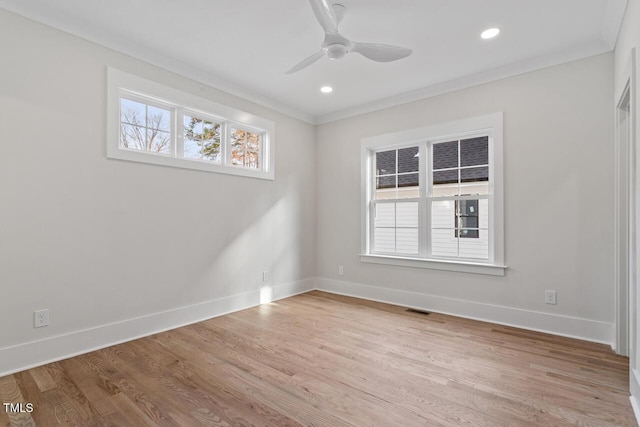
column 490, row 33
column 326, row 89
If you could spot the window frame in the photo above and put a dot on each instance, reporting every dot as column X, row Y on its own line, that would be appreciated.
column 424, row 137
column 122, row 84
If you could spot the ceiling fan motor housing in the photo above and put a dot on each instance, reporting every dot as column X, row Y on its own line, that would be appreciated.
column 336, row 51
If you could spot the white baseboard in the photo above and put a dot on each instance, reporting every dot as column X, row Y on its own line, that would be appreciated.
column 634, row 387
column 636, row 408
column 36, row 353
column 573, row 327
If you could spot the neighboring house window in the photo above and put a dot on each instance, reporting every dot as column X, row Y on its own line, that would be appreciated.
column 466, row 216
column 152, row 123
column 436, row 202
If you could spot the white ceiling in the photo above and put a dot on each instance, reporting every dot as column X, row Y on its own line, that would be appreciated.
column 245, row 46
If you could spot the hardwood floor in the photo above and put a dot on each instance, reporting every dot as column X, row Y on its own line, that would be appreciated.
column 324, row 360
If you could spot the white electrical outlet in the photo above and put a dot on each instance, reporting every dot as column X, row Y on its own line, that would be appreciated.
column 341, row 270
column 549, row 297
column 40, row 318
column 265, row 276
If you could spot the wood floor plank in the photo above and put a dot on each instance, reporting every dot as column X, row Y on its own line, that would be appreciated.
column 31, row 393
column 225, row 395
column 42, row 378
column 137, row 389
column 319, row 359
column 11, row 393
column 83, row 406
column 179, row 381
column 4, row 418
column 130, row 412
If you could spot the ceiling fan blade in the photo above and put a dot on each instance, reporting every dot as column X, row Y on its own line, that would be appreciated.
column 325, row 15
column 381, row 52
column 306, row 62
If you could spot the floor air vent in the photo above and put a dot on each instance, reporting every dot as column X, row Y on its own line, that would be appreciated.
column 416, row 310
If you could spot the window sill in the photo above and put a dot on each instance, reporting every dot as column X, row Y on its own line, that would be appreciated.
column 436, row 264
column 166, row 160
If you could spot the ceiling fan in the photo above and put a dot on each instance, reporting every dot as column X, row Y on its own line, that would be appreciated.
column 336, row 46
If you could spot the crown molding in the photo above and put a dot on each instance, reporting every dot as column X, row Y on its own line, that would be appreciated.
column 612, row 21
column 476, row 79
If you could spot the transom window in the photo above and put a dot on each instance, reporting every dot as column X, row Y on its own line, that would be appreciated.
column 160, row 125
column 435, row 199
column 147, row 125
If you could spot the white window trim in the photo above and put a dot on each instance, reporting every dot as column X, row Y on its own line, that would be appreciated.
column 119, row 82
column 491, row 123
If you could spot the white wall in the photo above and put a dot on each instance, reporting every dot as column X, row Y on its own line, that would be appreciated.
column 628, row 39
column 558, row 160
column 100, row 241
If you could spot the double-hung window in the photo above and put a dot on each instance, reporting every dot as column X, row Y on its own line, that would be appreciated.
column 432, row 197
column 152, row 123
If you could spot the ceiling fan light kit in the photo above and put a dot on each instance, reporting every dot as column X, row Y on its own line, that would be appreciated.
column 336, row 46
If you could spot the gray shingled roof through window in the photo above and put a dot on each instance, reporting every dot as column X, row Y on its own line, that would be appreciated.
column 473, row 151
